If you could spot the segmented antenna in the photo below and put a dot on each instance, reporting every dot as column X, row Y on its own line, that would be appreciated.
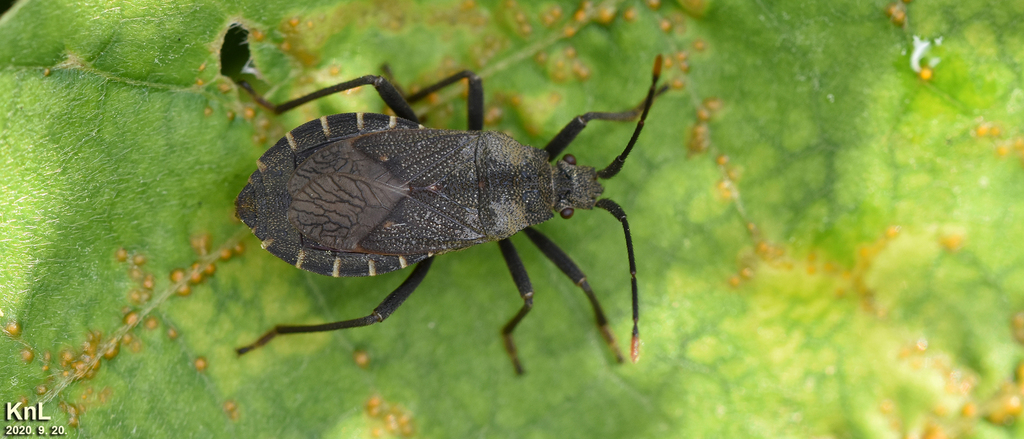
column 616, row 165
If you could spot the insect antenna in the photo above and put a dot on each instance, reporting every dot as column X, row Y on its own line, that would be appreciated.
column 616, row 164
column 616, row 211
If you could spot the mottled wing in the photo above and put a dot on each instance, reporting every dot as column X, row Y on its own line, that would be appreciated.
column 338, row 209
column 265, row 201
column 339, row 195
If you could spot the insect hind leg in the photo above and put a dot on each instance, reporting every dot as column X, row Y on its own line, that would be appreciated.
column 387, row 92
column 522, row 280
column 381, row 312
column 564, row 263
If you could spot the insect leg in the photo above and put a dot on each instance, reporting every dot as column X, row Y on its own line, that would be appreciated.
column 387, row 92
column 388, row 306
column 573, row 128
column 522, row 280
column 564, row 263
column 616, row 211
column 475, row 100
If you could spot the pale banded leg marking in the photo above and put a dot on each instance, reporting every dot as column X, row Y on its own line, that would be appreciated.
column 301, row 258
column 266, row 243
column 359, row 121
column 392, row 122
column 373, row 267
column 291, row 140
column 337, row 267
column 403, row 262
column 327, row 129
column 421, row 127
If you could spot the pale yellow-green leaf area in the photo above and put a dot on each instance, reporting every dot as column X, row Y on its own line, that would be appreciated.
column 825, row 207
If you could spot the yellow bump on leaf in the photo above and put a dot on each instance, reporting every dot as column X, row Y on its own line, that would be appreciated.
column 605, row 14
column 362, row 358
column 630, row 14
column 665, row 25
column 933, row 431
column 952, row 242
column 231, row 409
column 113, row 350
column 887, row 406
column 1017, row 326
column 969, row 410
column 373, row 406
column 926, row 73
column 13, row 329
column 131, row 319
column 1005, row 409
column 200, row 364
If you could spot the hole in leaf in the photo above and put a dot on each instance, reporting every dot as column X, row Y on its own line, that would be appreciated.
column 234, row 54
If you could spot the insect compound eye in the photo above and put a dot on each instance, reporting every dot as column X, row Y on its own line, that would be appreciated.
column 570, row 159
column 567, row 212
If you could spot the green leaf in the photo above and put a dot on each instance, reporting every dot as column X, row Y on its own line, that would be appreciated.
column 828, row 241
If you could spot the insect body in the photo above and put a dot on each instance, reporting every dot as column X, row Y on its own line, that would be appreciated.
column 363, row 194
column 351, row 202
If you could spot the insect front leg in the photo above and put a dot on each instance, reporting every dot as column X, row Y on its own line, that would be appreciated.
column 564, row 263
column 522, row 280
column 388, row 306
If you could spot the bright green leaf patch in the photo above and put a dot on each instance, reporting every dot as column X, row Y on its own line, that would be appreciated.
column 827, row 241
